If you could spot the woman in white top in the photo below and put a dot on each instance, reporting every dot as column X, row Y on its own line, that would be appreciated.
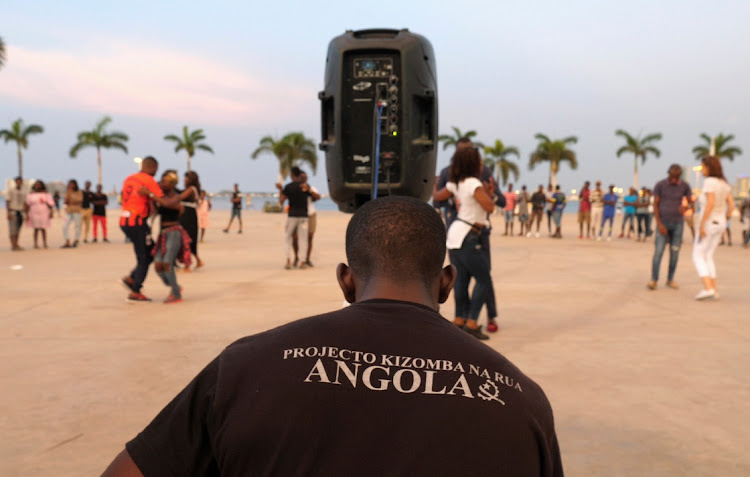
column 473, row 201
column 716, row 206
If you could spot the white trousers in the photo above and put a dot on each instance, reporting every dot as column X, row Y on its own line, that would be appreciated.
column 704, row 248
column 298, row 224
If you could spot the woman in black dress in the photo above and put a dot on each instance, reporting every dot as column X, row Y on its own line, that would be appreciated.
column 190, row 198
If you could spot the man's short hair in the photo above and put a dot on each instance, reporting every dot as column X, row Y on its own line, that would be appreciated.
column 296, row 171
column 396, row 237
column 149, row 161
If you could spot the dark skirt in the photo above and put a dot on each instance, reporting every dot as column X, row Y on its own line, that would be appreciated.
column 189, row 222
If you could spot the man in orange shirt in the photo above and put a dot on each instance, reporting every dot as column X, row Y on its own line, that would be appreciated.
column 138, row 191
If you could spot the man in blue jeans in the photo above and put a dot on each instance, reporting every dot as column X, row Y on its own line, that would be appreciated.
column 668, row 212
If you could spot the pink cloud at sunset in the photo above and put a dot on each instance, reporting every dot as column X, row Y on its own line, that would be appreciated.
column 149, row 82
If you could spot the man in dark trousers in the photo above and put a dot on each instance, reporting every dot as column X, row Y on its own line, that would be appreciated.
column 236, row 201
column 386, row 386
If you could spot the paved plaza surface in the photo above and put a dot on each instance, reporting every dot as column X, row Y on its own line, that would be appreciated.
column 642, row 383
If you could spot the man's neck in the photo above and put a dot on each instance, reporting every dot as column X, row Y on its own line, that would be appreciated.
column 414, row 292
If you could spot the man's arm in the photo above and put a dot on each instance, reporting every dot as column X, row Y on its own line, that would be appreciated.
column 314, row 194
column 657, row 216
column 122, row 466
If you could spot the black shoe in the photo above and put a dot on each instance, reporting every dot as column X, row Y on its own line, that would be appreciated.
column 105, row 240
column 93, row 241
column 226, row 231
column 476, row 333
column 308, row 263
column 296, row 262
column 85, row 241
column 239, row 231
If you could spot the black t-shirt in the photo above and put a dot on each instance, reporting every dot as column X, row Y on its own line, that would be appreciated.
column 297, row 199
column 100, row 210
column 379, row 388
column 237, row 205
column 88, row 197
column 538, row 200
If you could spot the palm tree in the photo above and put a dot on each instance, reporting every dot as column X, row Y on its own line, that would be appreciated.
column 638, row 148
column 553, row 152
column 2, row 52
column 99, row 138
column 20, row 135
column 719, row 143
column 449, row 140
column 496, row 157
column 290, row 150
column 189, row 142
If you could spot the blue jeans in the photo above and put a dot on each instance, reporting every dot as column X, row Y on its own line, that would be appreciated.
column 628, row 217
column 491, row 303
column 172, row 248
column 470, row 261
column 557, row 218
column 140, row 236
column 674, row 239
column 605, row 219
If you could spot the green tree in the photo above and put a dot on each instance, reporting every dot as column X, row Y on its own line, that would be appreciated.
column 190, row 141
column 100, row 139
column 20, row 135
column 554, row 152
column 290, row 150
column 496, row 158
column 2, row 52
column 449, row 140
column 721, row 149
column 639, row 148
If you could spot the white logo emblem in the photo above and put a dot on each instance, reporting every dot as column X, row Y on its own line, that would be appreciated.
column 362, row 159
column 489, row 392
column 361, row 86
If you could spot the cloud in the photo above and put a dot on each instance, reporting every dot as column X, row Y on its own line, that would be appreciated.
column 152, row 82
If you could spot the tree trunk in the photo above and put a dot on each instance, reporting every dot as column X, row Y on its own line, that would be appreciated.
column 20, row 162
column 99, row 165
column 552, row 176
column 635, row 174
column 188, row 163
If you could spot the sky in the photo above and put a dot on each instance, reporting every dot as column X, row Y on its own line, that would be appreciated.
column 241, row 70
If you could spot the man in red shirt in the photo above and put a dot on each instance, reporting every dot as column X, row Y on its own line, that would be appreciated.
column 138, row 191
column 510, row 206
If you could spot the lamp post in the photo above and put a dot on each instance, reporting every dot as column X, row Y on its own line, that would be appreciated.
column 138, row 161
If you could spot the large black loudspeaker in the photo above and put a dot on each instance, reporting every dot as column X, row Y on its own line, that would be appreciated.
column 379, row 116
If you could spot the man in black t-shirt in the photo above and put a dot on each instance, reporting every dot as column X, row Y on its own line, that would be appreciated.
column 236, row 201
column 86, row 210
column 538, row 202
column 297, row 193
column 386, row 386
column 100, row 201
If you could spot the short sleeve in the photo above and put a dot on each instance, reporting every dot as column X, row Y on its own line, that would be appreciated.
column 286, row 191
column 451, row 187
column 710, row 185
column 177, row 441
column 472, row 183
column 154, row 188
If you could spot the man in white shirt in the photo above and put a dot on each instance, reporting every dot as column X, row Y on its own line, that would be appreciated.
column 15, row 202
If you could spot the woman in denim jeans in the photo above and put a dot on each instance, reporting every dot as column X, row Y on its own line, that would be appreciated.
column 173, row 242
column 473, row 201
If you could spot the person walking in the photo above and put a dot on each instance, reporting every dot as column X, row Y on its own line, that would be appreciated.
column 716, row 206
column 312, row 222
column 745, row 220
column 608, row 213
column 558, row 205
column 15, row 205
column 641, row 213
column 668, row 214
column 297, row 220
column 204, row 209
column 87, row 212
column 56, row 198
column 138, row 192
column 190, row 198
column 39, row 207
column 236, row 201
column 464, row 237
column 584, row 210
column 173, row 242
column 73, row 201
column 597, row 207
column 99, row 216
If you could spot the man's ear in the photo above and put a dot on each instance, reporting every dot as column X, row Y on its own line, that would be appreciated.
column 346, row 282
column 447, row 279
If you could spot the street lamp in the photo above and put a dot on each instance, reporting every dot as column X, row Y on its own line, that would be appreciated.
column 138, row 161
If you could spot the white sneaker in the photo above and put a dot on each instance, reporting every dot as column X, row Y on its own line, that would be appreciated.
column 599, row 238
column 528, row 235
column 537, row 235
column 609, row 239
column 705, row 295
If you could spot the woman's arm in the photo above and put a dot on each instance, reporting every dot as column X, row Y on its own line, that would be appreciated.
column 484, row 199
column 442, row 194
column 730, row 205
column 710, row 198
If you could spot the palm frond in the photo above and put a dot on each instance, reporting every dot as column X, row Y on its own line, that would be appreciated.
column 204, row 147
